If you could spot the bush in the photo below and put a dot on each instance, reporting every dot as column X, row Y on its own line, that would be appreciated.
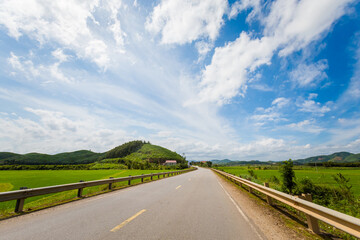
column 288, row 176
column 252, row 173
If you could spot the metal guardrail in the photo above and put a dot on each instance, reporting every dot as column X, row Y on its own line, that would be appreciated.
column 21, row 195
column 313, row 211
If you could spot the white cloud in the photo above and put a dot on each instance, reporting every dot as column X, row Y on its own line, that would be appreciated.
column 305, row 126
column 203, row 48
column 309, row 75
column 242, row 5
column 313, row 95
column 347, row 129
column 226, row 76
column 294, row 24
column 115, row 27
column 58, row 131
column 60, row 55
column 280, row 102
column 353, row 91
column 64, row 22
column 290, row 26
column 44, row 74
column 313, row 107
column 270, row 114
column 24, row 66
column 261, row 87
column 183, row 22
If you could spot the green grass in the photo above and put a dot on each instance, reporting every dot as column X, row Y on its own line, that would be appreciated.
column 13, row 180
column 321, row 176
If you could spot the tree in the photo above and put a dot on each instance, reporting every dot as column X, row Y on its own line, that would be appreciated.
column 288, row 176
column 209, row 163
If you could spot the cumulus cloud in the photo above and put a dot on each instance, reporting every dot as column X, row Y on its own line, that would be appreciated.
column 309, row 75
column 183, row 22
column 65, row 23
column 290, row 26
column 226, row 76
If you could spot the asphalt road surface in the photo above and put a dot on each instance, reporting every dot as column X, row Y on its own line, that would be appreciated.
column 188, row 206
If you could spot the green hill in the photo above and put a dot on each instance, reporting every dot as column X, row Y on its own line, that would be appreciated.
column 353, row 158
column 134, row 154
column 155, row 154
column 141, row 156
column 6, row 155
column 339, row 157
column 77, row 157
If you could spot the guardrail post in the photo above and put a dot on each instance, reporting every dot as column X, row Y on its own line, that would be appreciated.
column 312, row 222
column 110, row 184
column 129, row 182
column 20, row 202
column 151, row 177
column 80, row 190
column 142, row 179
column 268, row 199
column 240, row 184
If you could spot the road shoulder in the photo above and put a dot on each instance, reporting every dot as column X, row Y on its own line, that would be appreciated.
column 273, row 224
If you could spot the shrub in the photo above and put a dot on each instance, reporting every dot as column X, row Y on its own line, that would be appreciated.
column 288, row 176
column 252, row 173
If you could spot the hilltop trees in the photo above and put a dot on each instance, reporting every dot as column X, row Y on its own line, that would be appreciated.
column 124, row 150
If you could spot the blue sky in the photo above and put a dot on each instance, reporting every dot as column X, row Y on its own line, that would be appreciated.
column 251, row 79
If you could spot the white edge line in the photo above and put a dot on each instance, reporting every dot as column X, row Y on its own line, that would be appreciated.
column 240, row 211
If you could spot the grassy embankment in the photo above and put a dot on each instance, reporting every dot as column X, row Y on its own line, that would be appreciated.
column 13, row 180
column 321, row 176
column 328, row 193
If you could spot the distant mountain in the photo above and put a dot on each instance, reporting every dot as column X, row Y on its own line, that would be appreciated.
column 221, row 162
column 339, row 157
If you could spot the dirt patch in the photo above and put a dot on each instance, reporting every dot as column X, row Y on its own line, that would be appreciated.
column 273, row 223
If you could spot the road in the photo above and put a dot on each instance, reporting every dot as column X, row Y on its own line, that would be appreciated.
column 193, row 205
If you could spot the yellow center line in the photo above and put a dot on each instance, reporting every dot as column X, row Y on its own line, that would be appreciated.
column 178, row 187
column 127, row 221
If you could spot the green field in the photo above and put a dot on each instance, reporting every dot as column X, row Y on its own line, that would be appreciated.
column 321, row 176
column 13, row 180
